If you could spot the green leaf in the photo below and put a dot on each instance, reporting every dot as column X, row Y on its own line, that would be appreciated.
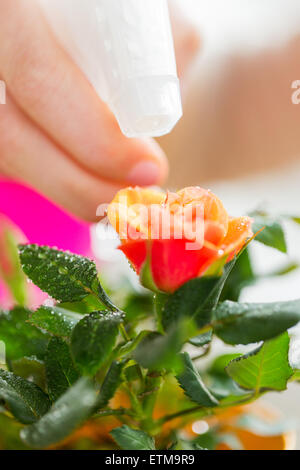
column 272, row 233
column 197, row 447
column 132, row 439
column 30, row 368
column 60, row 370
column 55, row 320
column 216, row 269
column 64, row 276
column 20, row 338
column 193, row 386
column 68, row 413
column 226, row 390
column 220, row 383
column 132, row 372
column 137, row 306
column 187, row 300
column 295, row 219
column 287, row 269
column 146, row 277
column 87, row 305
column 126, row 349
column 158, row 352
column 93, row 339
column 196, row 299
column 241, row 276
column 209, row 440
column 266, row 368
column 26, row 401
column 238, row 323
column 183, row 444
column 110, row 384
column 202, row 339
column 296, row 375
column 220, row 363
column 214, row 295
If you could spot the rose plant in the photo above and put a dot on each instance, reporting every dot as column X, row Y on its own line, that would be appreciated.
column 98, row 368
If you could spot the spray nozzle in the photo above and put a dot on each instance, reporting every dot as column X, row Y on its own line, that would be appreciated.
column 125, row 47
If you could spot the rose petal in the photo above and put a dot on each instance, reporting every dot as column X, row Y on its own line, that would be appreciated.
column 175, row 261
column 125, row 214
column 239, row 230
column 136, row 253
column 173, row 264
column 215, row 215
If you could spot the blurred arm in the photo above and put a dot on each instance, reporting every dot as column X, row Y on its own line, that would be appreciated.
column 239, row 119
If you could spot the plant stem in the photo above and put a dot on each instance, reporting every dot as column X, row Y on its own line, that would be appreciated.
column 124, row 332
column 203, row 354
column 205, row 411
column 135, row 403
column 159, row 303
column 186, row 412
column 153, row 384
column 117, row 412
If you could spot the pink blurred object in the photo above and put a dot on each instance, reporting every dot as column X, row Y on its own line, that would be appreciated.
column 42, row 221
column 6, row 301
column 35, row 297
column 10, row 236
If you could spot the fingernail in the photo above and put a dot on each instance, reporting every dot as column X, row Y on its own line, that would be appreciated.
column 145, row 174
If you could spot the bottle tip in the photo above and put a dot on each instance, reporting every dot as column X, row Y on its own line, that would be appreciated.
column 148, row 106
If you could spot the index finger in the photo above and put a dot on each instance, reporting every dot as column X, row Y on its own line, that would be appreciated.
column 56, row 95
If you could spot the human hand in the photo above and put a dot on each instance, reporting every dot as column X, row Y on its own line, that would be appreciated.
column 55, row 133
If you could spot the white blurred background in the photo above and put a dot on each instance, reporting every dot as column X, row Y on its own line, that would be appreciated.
column 240, row 24
column 245, row 26
column 243, row 29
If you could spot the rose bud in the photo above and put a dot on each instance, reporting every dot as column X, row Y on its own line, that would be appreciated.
column 170, row 238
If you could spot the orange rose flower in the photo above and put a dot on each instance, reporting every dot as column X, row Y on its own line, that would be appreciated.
column 176, row 236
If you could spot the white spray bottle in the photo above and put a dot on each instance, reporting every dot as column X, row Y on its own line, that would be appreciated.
column 125, row 48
